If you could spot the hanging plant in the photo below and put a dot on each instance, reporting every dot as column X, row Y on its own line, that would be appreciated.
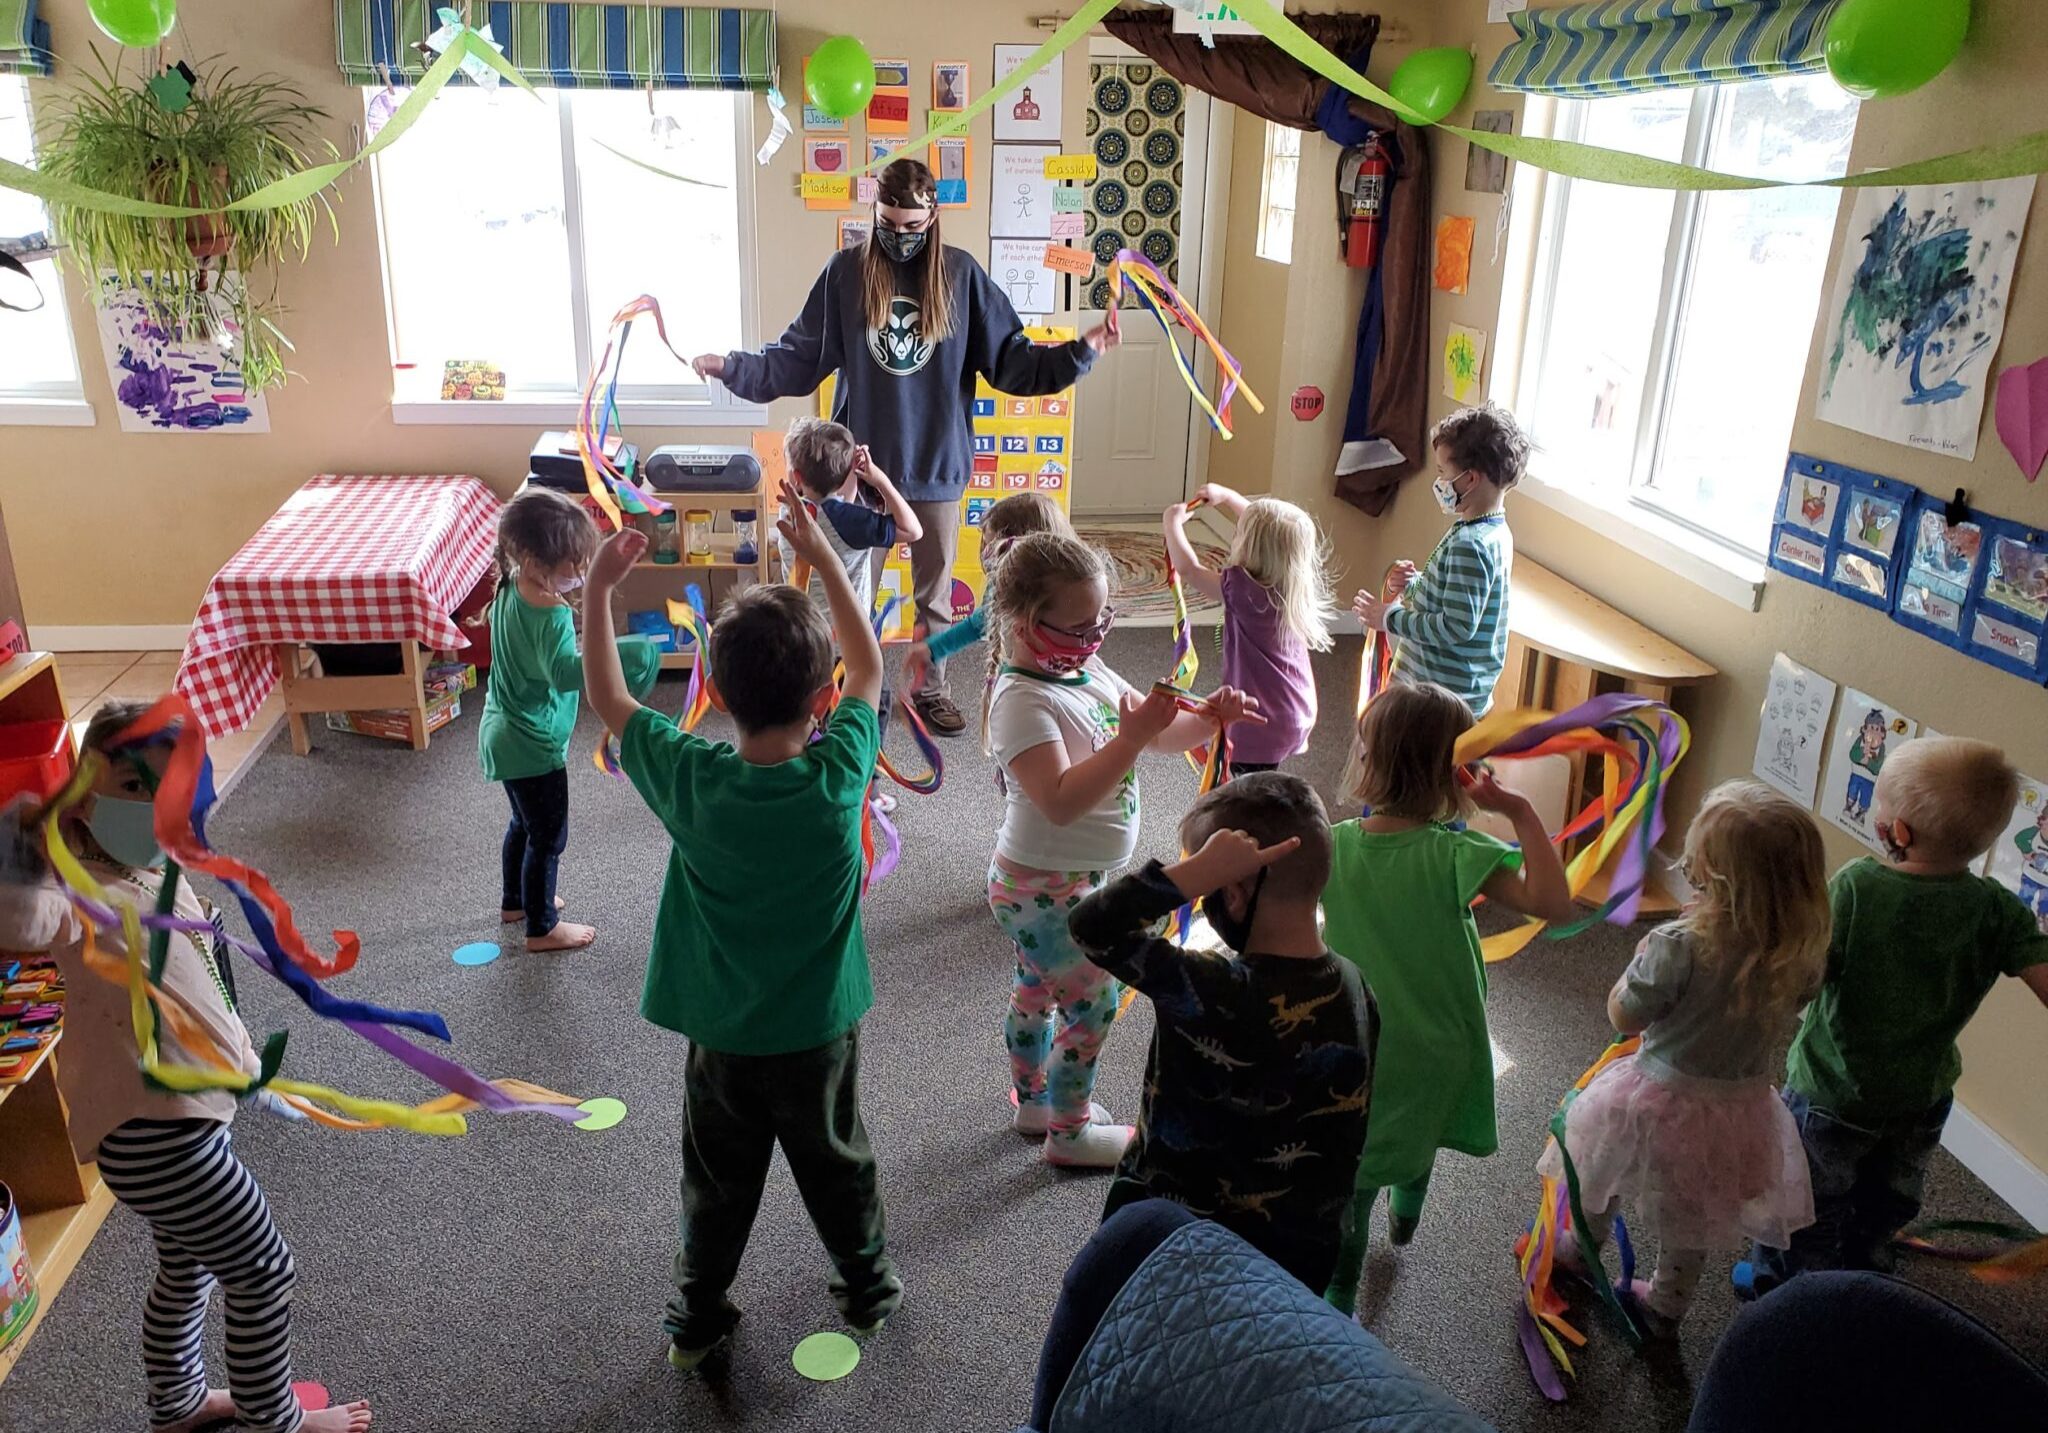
column 230, row 139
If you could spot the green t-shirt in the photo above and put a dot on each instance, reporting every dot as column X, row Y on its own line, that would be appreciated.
column 536, row 674
column 758, row 947
column 1910, row 960
column 1398, row 906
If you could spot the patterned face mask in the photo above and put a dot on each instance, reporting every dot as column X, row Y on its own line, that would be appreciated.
column 1062, row 653
column 900, row 244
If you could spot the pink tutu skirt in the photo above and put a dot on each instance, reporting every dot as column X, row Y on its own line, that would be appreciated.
column 1706, row 1164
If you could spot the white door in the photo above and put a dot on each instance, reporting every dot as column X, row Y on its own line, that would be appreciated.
column 1134, row 417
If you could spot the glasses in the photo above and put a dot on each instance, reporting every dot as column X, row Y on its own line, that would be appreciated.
column 1093, row 632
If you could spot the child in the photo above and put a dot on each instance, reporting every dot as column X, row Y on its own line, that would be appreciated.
column 163, row 1154
column 768, row 979
column 1016, row 516
column 1067, row 732
column 1687, row 1129
column 1449, row 621
column 1260, row 1073
column 1399, row 906
column 544, row 543
column 1276, row 610
column 831, row 468
column 1918, row 942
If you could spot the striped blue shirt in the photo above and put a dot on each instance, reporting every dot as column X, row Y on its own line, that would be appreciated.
column 1451, row 625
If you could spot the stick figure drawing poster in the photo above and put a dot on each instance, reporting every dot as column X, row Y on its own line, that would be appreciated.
column 1793, row 729
column 1867, row 732
column 1018, row 267
column 1019, row 195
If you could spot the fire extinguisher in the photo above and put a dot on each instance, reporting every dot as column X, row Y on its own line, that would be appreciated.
column 1362, row 233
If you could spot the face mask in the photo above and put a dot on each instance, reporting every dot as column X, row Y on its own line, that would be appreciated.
column 1235, row 932
column 1445, row 490
column 126, row 830
column 1062, row 654
column 566, row 585
column 898, row 245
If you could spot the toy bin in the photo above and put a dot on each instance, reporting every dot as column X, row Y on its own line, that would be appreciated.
column 35, row 757
column 17, row 1279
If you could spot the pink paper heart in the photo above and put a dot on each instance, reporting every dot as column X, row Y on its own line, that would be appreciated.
column 2023, row 415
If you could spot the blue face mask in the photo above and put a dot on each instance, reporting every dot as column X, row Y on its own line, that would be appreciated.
column 126, row 831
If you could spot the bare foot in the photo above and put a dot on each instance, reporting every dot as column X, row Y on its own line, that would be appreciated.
column 514, row 917
column 340, row 1418
column 216, row 1406
column 565, row 936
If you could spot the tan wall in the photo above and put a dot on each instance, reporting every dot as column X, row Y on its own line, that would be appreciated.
column 125, row 529
column 1977, row 101
column 1254, row 289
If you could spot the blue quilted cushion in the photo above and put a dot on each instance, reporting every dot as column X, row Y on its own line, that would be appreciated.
column 1211, row 1334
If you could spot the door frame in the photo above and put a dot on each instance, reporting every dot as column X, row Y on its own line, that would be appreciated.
column 1207, row 190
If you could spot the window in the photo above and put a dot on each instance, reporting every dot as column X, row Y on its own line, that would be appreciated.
column 1665, row 376
column 38, row 364
column 1276, row 192
column 512, row 234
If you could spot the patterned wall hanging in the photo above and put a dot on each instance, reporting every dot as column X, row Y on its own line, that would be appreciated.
column 1137, row 127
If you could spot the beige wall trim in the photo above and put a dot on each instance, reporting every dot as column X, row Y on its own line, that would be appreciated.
column 2009, row 1174
column 167, row 638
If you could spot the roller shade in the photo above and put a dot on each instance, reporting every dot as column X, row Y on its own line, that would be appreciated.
column 1619, row 46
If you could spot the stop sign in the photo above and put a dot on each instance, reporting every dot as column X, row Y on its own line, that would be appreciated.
column 1307, row 402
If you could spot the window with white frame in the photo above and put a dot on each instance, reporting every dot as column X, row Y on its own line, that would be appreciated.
column 1668, row 333
column 1276, row 192
column 38, row 362
column 514, row 228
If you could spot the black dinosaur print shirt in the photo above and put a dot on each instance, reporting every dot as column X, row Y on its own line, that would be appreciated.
column 1258, row 1083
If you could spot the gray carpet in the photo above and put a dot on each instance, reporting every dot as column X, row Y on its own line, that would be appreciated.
column 514, row 1279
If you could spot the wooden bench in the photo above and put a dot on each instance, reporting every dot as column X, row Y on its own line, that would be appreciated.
column 1566, row 646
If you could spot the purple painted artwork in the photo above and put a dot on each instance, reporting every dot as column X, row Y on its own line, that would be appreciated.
column 167, row 381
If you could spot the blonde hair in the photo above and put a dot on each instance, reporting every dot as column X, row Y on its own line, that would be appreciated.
column 907, row 184
column 820, row 453
column 1280, row 548
column 1403, row 763
column 1954, row 794
column 1033, row 573
column 1018, row 516
column 1756, row 861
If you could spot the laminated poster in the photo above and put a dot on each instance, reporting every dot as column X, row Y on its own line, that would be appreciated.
column 1940, row 569
column 2019, row 857
column 1020, row 196
column 1031, row 112
column 1793, row 729
column 1867, row 731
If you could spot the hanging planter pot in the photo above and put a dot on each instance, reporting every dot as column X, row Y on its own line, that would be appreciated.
column 207, row 236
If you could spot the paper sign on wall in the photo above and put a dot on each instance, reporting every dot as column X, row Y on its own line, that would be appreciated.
column 1032, row 110
column 1069, row 226
column 1069, row 201
column 1020, row 196
column 1070, row 166
column 951, row 160
column 1464, row 363
column 1018, row 265
column 889, row 110
column 1793, row 729
column 2019, row 857
column 864, row 188
column 1078, row 262
column 831, row 190
column 1867, row 732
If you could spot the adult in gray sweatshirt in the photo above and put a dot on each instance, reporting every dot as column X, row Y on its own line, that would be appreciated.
column 907, row 323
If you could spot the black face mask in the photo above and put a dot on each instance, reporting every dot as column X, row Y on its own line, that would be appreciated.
column 900, row 245
column 1235, row 932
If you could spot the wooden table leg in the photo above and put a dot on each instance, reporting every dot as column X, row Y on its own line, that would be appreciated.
column 416, row 715
column 287, row 678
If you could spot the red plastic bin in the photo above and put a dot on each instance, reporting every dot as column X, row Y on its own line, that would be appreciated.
column 35, row 757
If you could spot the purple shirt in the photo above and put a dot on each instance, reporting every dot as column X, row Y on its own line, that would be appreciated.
column 1264, row 659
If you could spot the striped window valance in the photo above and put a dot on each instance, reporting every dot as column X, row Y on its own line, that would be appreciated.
column 24, row 40
column 1619, row 46
column 565, row 46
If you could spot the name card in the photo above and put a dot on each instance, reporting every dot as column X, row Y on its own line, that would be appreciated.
column 1070, row 166
column 1078, row 262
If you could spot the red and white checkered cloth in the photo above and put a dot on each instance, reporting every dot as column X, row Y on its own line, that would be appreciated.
column 348, row 558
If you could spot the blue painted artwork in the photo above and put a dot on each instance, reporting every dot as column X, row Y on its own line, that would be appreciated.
column 1918, row 308
column 166, row 380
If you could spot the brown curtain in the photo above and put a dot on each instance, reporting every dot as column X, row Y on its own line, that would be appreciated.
column 1250, row 71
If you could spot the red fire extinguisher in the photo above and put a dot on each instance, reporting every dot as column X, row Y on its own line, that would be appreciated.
column 1368, row 207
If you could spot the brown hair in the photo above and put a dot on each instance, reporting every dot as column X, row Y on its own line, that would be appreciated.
column 771, row 651
column 1487, row 440
column 1269, row 806
column 1027, row 581
column 1756, row 861
column 1017, row 516
column 1403, row 763
column 543, row 527
column 820, row 453
column 115, row 717
column 907, row 184
column 1954, row 794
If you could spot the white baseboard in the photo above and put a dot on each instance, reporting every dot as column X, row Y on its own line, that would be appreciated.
column 2008, row 1173
column 48, row 638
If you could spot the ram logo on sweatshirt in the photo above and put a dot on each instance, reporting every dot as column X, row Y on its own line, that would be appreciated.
column 899, row 345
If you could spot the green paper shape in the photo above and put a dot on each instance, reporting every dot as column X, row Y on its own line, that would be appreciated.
column 171, row 91
column 601, row 1113
column 826, row 1357
column 1878, row 49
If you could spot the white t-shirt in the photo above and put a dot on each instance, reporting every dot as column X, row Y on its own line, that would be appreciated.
column 1029, row 709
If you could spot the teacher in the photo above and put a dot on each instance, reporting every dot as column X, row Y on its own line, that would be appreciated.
column 907, row 323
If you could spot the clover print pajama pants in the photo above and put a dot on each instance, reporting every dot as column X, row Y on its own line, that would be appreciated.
column 1055, row 1067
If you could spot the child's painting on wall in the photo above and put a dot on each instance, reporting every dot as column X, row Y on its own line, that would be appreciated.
column 169, row 381
column 2019, row 858
column 1866, row 733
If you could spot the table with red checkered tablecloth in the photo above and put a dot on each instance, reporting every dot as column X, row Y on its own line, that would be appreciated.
column 348, row 558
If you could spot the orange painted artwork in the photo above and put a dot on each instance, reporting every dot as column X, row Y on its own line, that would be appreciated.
column 1454, row 253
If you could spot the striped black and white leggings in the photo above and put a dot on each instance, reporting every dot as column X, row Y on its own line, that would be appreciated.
column 211, row 1226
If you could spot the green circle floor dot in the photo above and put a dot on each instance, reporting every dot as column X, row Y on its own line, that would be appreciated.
column 601, row 1113
column 826, row 1357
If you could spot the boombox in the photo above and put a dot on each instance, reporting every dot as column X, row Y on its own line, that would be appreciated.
column 702, row 468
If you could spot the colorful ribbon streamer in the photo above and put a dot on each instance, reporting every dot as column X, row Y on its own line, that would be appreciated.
column 1186, row 664
column 611, row 484
column 1997, row 1253
column 1156, row 293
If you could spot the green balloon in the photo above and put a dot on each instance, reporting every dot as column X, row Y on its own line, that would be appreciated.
column 1877, row 49
column 840, row 78
column 135, row 23
column 1432, row 82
